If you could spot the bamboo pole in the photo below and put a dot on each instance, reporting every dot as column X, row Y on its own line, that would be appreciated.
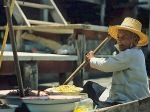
column 6, row 33
column 13, row 43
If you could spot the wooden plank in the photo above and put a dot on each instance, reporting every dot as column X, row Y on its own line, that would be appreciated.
column 20, row 16
column 34, row 5
column 141, row 105
column 56, row 31
column 19, row 41
column 81, row 48
column 37, row 22
column 30, row 74
column 97, row 28
column 126, row 107
column 45, row 42
column 24, row 56
column 60, row 29
column 56, row 14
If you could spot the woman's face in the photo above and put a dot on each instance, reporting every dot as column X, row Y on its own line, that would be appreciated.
column 126, row 40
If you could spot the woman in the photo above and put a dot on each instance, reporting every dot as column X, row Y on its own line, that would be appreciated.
column 129, row 80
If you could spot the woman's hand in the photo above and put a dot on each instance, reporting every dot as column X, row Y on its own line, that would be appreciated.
column 90, row 55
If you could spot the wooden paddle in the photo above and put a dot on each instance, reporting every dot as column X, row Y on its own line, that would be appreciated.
column 85, row 61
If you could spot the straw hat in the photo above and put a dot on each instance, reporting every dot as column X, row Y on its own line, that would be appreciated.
column 132, row 25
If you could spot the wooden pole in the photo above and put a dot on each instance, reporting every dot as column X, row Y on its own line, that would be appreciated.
column 6, row 33
column 85, row 61
column 13, row 43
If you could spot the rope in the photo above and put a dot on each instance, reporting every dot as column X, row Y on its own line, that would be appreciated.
column 6, row 33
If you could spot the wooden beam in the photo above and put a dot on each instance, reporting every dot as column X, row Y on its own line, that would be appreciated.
column 45, row 42
column 37, row 22
column 34, row 5
column 126, row 107
column 20, row 16
column 81, row 48
column 19, row 41
column 24, row 56
column 30, row 74
column 56, row 14
column 60, row 29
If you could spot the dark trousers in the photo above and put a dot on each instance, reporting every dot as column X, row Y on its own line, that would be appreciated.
column 24, row 108
column 94, row 91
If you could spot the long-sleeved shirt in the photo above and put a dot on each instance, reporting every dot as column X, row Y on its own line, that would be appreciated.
column 129, row 80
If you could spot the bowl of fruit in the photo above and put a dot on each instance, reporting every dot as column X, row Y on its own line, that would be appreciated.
column 13, row 96
column 7, row 108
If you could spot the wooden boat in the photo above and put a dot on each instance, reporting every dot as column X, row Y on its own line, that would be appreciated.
column 141, row 105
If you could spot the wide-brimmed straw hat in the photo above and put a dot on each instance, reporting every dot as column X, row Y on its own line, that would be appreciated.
column 131, row 25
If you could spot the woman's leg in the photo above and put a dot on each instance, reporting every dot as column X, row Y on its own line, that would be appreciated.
column 93, row 90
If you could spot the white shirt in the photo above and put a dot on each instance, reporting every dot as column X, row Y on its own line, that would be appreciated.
column 129, row 80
